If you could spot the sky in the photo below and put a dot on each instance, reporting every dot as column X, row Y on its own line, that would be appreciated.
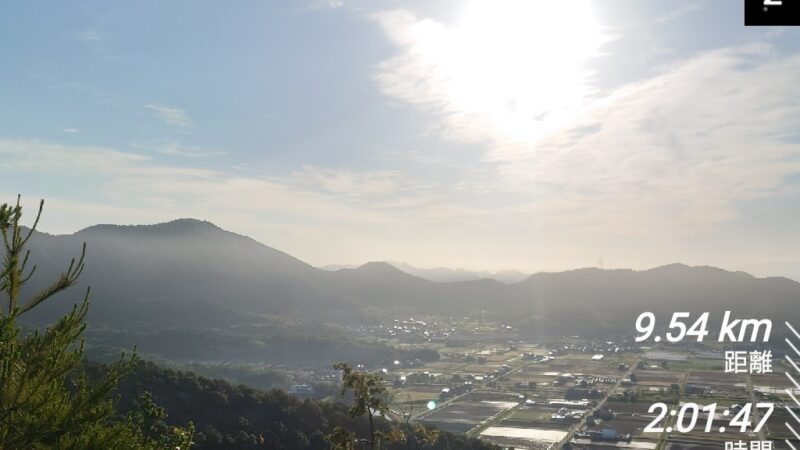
column 485, row 135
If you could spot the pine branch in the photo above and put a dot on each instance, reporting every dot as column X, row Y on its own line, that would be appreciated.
column 65, row 280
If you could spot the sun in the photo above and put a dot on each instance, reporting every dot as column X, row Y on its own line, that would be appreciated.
column 520, row 66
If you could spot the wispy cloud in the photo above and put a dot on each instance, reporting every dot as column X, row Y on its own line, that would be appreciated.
column 351, row 182
column 292, row 211
column 174, row 148
column 679, row 152
column 69, row 130
column 174, row 117
column 88, row 36
column 680, row 11
column 317, row 5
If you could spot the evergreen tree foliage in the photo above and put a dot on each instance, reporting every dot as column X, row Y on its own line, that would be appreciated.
column 46, row 401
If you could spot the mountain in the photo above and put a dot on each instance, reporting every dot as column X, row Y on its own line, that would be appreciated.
column 608, row 299
column 191, row 273
column 222, row 274
column 446, row 274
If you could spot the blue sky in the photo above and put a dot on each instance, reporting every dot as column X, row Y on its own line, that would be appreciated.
column 481, row 135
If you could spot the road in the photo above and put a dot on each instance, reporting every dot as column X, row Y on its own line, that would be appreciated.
column 502, row 414
column 602, row 403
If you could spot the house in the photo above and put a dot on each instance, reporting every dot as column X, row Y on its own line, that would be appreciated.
column 695, row 389
column 603, row 414
column 566, row 415
column 569, row 403
column 445, row 393
column 565, row 377
column 607, row 435
column 301, row 390
column 580, row 394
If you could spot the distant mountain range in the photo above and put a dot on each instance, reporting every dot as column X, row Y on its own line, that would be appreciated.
column 446, row 274
column 192, row 273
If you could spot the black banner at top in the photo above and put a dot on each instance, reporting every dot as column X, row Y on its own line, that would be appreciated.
column 771, row 12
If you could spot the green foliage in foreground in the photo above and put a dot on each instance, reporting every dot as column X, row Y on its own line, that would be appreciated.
column 45, row 400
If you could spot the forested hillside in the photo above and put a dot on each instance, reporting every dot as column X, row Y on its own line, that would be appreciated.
column 242, row 418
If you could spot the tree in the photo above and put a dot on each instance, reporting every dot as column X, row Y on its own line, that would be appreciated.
column 46, row 401
column 148, row 420
column 369, row 399
column 427, row 436
column 341, row 439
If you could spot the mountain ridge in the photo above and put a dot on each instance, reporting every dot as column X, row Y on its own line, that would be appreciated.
column 193, row 224
column 193, row 262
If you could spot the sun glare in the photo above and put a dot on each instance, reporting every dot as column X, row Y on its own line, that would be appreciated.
column 517, row 65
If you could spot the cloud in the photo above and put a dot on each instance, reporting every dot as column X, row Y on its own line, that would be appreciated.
column 33, row 156
column 174, row 117
column 69, row 130
column 312, row 198
column 681, row 11
column 88, row 36
column 318, row 5
column 350, row 182
column 681, row 152
column 175, row 148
